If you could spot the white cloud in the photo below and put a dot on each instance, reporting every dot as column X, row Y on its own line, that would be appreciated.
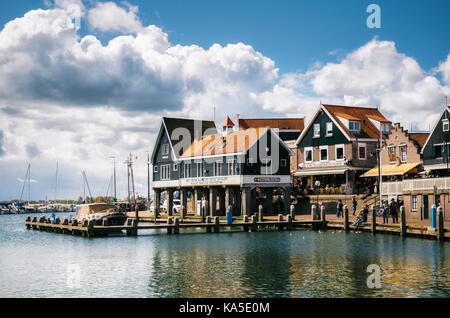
column 108, row 16
column 444, row 68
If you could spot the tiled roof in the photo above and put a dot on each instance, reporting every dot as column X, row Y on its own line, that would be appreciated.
column 420, row 138
column 280, row 123
column 234, row 142
column 362, row 114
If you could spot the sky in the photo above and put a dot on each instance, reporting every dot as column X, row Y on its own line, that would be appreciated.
column 81, row 81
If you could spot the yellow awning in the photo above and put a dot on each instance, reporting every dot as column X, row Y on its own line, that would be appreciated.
column 393, row 170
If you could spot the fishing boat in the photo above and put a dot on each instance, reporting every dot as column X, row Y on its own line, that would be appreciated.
column 100, row 214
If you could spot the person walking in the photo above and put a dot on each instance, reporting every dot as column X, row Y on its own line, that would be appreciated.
column 339, row 209
column 386, row 212
column 393, row 210
column 355, row 204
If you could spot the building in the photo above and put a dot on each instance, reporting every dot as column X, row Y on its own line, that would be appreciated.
column 219, row 169
column 401, row 155
column 338, row 145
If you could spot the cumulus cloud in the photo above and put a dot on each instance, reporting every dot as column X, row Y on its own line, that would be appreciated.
column 444, row 68
column 2, row 150
column 108, row 16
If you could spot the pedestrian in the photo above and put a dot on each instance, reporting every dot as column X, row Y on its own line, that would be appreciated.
column 393, row 210
column 339, row 209
column 362, row 217
column 355, row 204
column 386, row 212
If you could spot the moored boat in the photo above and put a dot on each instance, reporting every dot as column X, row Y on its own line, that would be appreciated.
column 100, row 214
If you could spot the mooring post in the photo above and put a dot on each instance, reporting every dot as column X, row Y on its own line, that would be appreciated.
column 90, row 229
column 346, row 228
column 203, row 209
column 280, row 219
column 292, row 213
column 169, row 225
column 176, row 229
column 374, row 218
column 313, row 212
column 208, row 221
column 216, row 224
column 27, row 222
column 323, row 217
column 440, row 224
column 34, row 226
column 245, row 221
column 402, row 221
column 260, row 214
column 253, row 221
column 289, row 221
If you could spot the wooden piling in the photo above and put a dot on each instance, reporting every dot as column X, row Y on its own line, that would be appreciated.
column 280, row 219
column 346, row 224
column 208, row 221
column 260, row 214
column 253, row 221
column 440, row 224
column 374, row 219
column 289, row 220
column 246, row 227
column 176, row 229
column 292, row 214
column 402, row 221
column 323, row 217
column 313, row 212
column 28, row 220
column 169, row 228
column 216, row 224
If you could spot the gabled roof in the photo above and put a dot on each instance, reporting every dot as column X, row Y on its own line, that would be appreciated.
column 170, row 124
column 297, row 124
column 227, row 122
column 364, row 115
column 419, row 138
column 435, row 125
column 237, row 142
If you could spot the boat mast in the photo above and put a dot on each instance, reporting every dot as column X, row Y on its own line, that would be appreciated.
column 25, row 182
column 56, row 180
column 87, row 183
column 132, row 180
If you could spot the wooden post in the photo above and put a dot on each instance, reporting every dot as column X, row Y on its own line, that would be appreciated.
column 34, row 226
column 440, row 224
column 323, row 217
column 208, row 221
column 28, row 220
column 169, row 225
column 289, row 221
column 280, row 219
column 216, row 224
column 402, row 221
column 253, row 227
column 292, row 214
column 313, row 212
column 176, row 229
column 346, row 227
column 374, row 219
column 183, row 201
column 260, row 214
column 245, row 219
column 90, row 230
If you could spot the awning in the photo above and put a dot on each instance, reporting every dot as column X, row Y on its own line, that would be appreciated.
column 392, row 170
column 320, row 172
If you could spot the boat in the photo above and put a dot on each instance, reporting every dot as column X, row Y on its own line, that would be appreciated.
column 100, row 214
column 17, row 208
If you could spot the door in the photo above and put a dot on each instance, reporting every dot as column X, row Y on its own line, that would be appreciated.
column 425, row 207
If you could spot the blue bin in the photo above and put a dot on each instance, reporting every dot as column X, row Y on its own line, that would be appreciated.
column 229, row 217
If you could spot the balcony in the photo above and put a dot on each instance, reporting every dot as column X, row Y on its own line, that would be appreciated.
column 415, row 185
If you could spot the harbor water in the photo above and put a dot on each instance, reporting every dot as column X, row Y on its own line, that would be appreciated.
column 261, row 264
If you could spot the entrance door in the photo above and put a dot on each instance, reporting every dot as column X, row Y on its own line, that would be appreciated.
column 425, row 207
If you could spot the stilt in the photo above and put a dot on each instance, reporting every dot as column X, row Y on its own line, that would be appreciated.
column 346, row 226
column 374, row 219
column 440, row 225
column 402, row 221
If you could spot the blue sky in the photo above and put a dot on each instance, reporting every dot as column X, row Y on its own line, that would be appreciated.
column 79, row 96
column 294, row 33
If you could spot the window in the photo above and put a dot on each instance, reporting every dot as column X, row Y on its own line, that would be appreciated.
column 231, row 167
column 354, row 127
column 217, row 169
column 266, row 166
column 187, row 170
column 324, row 153
column 316, row 131
column 445, row 125
column 329, row 129
column 339, row 152
column 200, row 171
column 283, row 162
column 155, row 169
column 308, row 154
column 165, row 149
column 362, row 151
column 392, row 155
column 403, row 152
column 385, row 129
column 175, row 167
column 165, row 172
column 413, row 202
column 438, row 151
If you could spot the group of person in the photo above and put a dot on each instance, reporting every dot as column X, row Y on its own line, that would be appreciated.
column 387, row 210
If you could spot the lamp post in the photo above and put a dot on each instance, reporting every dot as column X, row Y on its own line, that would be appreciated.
column 317, row 185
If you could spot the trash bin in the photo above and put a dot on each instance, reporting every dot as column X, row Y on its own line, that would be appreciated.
column 229, row 217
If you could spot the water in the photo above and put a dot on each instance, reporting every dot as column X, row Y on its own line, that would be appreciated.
column 263, row 264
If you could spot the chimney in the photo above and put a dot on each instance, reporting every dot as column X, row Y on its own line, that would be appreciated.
column 236, row 120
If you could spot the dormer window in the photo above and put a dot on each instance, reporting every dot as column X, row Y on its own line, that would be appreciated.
column 316, row 131
column 385, row 129
column 354, row 127
column 165, row 149
column 329, row 129
column 445, row 125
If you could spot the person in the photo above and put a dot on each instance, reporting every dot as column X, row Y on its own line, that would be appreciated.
column 362, row 217
column 355, row 204
column 339, row 209
column 393, row 210
column 386, row 212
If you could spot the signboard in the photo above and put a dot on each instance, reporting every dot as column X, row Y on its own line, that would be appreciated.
column 266, row 179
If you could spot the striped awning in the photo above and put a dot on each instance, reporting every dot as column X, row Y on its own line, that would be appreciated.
column 320, row 172
column 393, row 170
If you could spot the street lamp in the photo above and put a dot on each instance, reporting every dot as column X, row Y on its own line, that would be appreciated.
column 317, row 185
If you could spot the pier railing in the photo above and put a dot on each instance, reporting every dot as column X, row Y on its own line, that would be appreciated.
column 411, row 185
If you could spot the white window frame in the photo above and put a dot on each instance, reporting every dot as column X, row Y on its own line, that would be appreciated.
column 362, row 145
column 445, row 125
column 320, row 153
column 352, row 131
column 342, row 146
column 175, row 167
column 401, row 153
column 200, row 169
column 312, row 154
column 414, row 202
column 165, row 150
column 231, row 166
column 266, row 169
column 187, row 170
column 218, row 169
column 284, row 162
column 329, row 129
column 155, row 169
column 165, row 173
column 316, row 131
